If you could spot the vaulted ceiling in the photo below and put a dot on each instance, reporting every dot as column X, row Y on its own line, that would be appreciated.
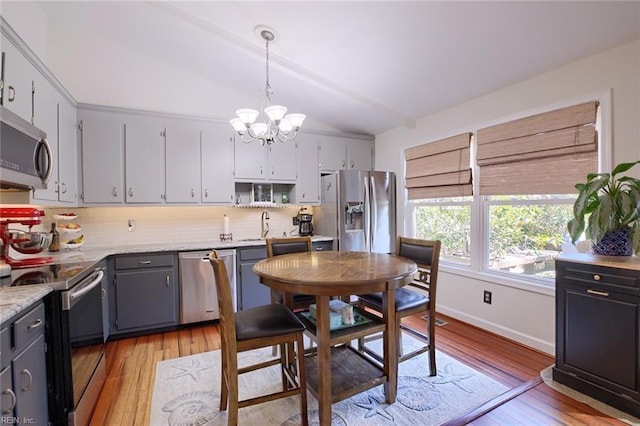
column 362, row 67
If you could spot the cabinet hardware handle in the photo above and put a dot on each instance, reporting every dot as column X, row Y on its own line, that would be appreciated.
column 353, row 164
column 131, row 191
column 144, row 262
column 104, row 293
column 210, row 310
column 168, row 283
column 206, row 193
column 64, row 188
column 28, row 373
column 12, row 94
column 13, row 401
column 343, row 163
column 598, row 293
column 57, row 190
column 596, row 277
column 37, row 323
column 193, row 193
column 114, row 191
column 260, row 169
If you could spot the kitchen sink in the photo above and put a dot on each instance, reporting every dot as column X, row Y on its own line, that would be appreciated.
column 251, row 239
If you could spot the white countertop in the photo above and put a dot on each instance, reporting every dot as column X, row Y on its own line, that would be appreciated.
column 13, row 300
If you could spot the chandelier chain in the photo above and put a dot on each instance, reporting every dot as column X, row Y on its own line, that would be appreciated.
column 267, row 87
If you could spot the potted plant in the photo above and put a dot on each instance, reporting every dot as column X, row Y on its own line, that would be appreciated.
column 613, row 205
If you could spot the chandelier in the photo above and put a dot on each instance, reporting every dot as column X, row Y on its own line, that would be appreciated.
column 276, row 126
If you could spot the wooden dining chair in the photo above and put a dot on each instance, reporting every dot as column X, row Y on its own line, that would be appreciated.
column 422, row 298
column 255, row 328
column 286, row 245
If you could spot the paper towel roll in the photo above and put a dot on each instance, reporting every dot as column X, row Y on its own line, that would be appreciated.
column 225, row 226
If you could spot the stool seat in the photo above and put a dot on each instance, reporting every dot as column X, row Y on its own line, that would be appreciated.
column 405, row 299
column 266, row 321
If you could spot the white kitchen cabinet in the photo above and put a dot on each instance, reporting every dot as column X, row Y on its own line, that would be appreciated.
column 67, row 152
column 340, row 153
column 144, row 161
column 276, row 162
column 45, row 117
column 307, row 188
column 182, row 167
column 102, row 160
column 216, row 149
column 19, row 74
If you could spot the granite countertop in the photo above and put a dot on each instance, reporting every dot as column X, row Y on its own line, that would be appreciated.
column 15, row 299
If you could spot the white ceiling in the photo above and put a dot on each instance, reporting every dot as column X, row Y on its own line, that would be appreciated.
column 360, row 67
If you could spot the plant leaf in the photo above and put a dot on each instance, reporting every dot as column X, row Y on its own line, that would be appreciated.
column 623, row 167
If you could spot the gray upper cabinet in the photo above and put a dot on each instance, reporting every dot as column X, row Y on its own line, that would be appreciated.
column 276, row 162
column 19, row 75
column 67, row 152
column 45, row 117
column 216, row 148
column 307, row 189
column 144, row 161
column 339, row 153
column 182, row 168
column 102, row 159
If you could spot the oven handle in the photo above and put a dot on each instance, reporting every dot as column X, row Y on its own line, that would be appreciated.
column 72, row 296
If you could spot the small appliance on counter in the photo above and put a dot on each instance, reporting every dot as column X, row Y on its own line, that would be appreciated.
column 305, row 227
column 22, row 241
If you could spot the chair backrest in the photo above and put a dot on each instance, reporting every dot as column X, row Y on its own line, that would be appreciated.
column 225, row 300
column 426, row 254
column 278, row 246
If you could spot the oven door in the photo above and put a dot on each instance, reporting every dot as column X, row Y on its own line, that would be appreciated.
column 82, row 309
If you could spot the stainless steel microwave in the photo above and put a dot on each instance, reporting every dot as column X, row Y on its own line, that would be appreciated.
column 25, row 155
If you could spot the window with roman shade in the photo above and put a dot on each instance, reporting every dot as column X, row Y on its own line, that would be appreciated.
column 439, row 169
column 541, row 154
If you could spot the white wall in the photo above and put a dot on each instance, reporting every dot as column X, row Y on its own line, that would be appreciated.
column 520, row 314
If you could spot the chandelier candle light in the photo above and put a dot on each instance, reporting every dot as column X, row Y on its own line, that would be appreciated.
column 277, row 126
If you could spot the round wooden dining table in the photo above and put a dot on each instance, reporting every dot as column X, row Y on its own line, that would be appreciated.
column 325, row 274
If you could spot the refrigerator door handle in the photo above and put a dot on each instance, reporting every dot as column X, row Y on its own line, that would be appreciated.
column 367, row 215
column 374, row 211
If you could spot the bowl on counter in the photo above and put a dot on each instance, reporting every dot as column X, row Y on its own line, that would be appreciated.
column 28, row 242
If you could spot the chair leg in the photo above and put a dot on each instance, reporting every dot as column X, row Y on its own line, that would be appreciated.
column 232, row 380
column 283, row 366
column 302, row 381
column 432, row 344
column 224, row 380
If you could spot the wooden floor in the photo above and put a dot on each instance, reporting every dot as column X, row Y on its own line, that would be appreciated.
column 126, row 396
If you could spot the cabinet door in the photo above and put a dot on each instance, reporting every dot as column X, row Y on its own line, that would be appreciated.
column 145, row 299
column 182, row 169
column 144, row 161
column 282, row 161
column 7, row 395
column 307, row 190
column 251, row 292
column 359, row 154
column 18, row 79
column 30, row 383
column 333, row 153
column 67, row 152
column 102, row 159
column 45, row 117
column 249, row 160
column 217, row 164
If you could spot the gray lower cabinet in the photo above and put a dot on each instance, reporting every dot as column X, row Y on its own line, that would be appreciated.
column 144, row 295
column 251, row 292
column 23, row 371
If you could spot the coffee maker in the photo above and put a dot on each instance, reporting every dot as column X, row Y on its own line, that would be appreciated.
column 305, row 227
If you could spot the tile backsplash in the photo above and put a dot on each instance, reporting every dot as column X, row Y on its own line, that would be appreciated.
column 109, row 226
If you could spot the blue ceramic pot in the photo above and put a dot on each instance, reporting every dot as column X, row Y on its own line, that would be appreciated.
column 615, row 243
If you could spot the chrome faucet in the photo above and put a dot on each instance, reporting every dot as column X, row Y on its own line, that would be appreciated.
column 265, row 225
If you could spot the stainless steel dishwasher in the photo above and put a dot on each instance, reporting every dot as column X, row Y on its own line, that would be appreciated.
column 198, row 295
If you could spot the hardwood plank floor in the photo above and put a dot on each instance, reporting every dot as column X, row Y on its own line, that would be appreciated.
column 126, row 395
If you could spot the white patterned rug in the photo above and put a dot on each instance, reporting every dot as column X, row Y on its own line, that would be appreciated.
column 187, row 392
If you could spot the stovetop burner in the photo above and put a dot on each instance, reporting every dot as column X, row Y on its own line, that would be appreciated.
column 56, row 275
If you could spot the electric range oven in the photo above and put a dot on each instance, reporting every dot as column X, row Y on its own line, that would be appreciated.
column 75, row 335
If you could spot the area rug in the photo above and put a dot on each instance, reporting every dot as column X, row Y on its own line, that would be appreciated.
column 547, row 377
column 187, row 392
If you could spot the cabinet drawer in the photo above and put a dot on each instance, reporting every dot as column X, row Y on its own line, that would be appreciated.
column 607, row 279
column 144, row 261
column 253, row 254
column 28, row 326
column 323, row 246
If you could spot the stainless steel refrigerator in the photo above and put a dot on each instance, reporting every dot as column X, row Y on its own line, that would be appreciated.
column 358, row 209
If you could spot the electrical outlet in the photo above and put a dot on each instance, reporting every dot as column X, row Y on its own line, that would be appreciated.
column 132, row 225
column 487, row 297
column 296, row 221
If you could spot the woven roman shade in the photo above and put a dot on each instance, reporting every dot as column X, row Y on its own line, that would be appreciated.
column 439, row 169
column 541, row 154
